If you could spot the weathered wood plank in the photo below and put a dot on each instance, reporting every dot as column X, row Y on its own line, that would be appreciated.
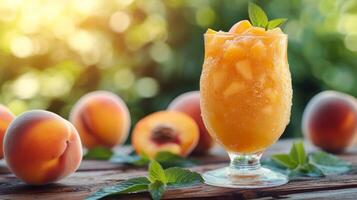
column 217, row 155
column 345, row 194
column 96, row 174
column 82, row 184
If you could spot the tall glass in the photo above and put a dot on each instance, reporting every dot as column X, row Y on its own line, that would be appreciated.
column 246, row 98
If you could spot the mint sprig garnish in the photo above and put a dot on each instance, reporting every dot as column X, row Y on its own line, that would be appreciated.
column 258, row 18
column 156, row 172
column 257, row 15
column 297, row 163
column 156, row 183
column 275, row 23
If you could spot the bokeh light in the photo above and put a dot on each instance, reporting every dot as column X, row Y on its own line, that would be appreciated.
column 22, row 46
column 119, row 21
column 124, row 79
column 26, row 86
column 149, row 51
column 146, row 87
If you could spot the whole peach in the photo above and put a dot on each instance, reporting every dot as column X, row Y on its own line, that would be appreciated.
column 330, row 121
column 189, row 103
column 41, row 147
column 5, row 118
column 102, row 119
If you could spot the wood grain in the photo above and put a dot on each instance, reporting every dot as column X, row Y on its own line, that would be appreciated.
column 93, row 175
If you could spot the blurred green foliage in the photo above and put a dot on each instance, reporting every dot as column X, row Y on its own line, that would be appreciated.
column 149, row 51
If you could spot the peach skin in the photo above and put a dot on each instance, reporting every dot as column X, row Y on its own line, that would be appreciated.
column 41, row 147
column 5, row 118
column 102, row 119
column 170, row 131
column 189, row 103
column 330, row 121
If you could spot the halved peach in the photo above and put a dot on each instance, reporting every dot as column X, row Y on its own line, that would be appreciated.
column 170, row 131
column 5, row 119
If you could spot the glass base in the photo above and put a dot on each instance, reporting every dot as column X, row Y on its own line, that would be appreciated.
column 233, row 178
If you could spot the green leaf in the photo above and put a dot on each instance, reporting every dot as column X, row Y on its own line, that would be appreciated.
column 273, row 165
column 156, row 190
column 329, row 164
column 257, row 15
column 129, row 186
column 297, row 153
column 285, row 160
column 156, row 172
column 275, row 23
column 299, row 165
column 156, row 183
column 130, row 159
column 178, row 177
column 307, row 170
column 168, row 159
column 99, row 153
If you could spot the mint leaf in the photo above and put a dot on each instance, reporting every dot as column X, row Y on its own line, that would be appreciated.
column 178, row 177
column 311, row 170
column 132, row 185
column 257, row 15
column 308, row 170
column 156, row 183
column 298, row 164
column 165, row 158
column 273, row 165
column 156, row 172
column 130, row 159
column 323, row 158
column 275, row 23
column 156, row 190
column 297, row 153
column 168, row 159
column 285, row 160
column 98, row 153
column 329, row 164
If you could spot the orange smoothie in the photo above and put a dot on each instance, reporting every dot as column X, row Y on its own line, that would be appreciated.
column 246, row 92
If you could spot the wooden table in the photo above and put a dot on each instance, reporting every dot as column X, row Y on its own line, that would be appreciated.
column 93, row 175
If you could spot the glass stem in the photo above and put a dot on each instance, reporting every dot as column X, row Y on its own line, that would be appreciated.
column 244, row 163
